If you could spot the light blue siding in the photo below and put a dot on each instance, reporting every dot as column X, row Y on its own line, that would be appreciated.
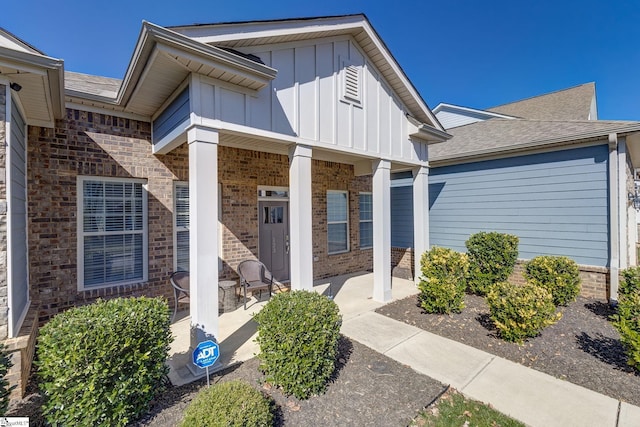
column 176, row 113
column 401, row 213
column 18, row 214
column 557, row 203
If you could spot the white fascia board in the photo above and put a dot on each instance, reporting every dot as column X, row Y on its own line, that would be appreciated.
column 217, row 33
column 443, row 106
column 425, row 132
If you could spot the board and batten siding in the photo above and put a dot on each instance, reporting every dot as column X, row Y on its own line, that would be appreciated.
column 18, row 220
column 555, row 202
column 307, row 100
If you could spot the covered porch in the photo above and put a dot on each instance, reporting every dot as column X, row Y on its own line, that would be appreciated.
column 352, row 292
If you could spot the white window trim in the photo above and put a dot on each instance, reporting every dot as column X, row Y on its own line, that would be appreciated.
column 360, row 221
column 80, row 233
column 175, row 227
column 338, row 222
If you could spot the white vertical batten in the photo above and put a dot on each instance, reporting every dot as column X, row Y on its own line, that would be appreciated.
column 381, row 230
column 420, row 217
column 614, row 257
column 300, row 217
column 203, row 234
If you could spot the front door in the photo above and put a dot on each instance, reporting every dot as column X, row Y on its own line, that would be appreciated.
column 274, row 238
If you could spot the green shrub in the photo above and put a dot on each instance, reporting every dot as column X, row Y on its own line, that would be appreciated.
column 492, row 257
column 5, row 390
column 101, row 364
column 443, row 282
column 229, row 404
column 557, row 274
column 627, row 317
column 298, row 335
column 520, row 312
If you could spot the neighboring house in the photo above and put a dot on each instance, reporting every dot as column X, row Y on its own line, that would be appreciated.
column 273, row 140
column 547, row 171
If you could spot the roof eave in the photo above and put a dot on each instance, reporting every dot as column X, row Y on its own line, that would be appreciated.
column 152, row 35
column 54, row 69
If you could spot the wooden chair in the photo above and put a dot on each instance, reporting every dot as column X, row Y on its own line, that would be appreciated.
column 180, row 282
column 254, row 276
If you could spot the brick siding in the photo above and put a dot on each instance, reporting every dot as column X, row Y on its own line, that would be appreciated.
column 86, row 143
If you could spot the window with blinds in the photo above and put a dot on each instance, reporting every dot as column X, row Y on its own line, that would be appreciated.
column 337, row 221
column 366, row 220
column 181, row 226
column 112, row 232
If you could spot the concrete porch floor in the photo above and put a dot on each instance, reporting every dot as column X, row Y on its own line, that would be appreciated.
column 352, row 293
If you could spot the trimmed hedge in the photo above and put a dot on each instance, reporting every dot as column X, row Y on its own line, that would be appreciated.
column 443, row 282
column 101, row 364
column 627, row 317
column 298, row 335
column 229, row 404
column 492, row 257
column 557, row 274
column 520, row 312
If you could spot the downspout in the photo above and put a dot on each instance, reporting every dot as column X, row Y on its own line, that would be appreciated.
column 614, row 248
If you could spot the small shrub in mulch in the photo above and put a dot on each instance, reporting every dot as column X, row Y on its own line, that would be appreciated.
column 492, row 257
column 102, row 364
column 229, row 404
column 627, row 317
column 520, row 312
column 443, row 282
column 557, row 274
column 5, row 389
column 298, row 336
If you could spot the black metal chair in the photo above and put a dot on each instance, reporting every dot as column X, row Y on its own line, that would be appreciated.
column 254, row 276
column 180, row 282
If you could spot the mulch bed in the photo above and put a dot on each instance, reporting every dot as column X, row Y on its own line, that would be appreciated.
column 367, row 389
column 583, row 347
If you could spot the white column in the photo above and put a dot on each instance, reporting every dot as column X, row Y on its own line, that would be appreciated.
column 623, row 204
column 614, row 257
column 420, row 217
column 203, row 232
column 300, row 218
column 382, row 230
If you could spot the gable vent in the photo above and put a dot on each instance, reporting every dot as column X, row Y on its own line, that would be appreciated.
column 352, row 82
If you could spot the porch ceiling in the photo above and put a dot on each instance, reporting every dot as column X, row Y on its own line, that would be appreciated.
column 633, row 144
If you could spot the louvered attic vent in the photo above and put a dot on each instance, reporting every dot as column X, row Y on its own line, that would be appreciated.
column 351, row 82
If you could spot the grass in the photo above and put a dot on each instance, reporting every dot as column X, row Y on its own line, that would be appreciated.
column 454, row 410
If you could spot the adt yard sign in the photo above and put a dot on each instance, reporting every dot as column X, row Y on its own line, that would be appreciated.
column 206, row 354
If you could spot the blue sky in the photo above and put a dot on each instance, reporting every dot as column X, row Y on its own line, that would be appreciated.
column 472, row 53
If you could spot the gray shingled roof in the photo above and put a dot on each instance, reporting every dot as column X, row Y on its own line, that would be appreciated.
column 94, row 85
column 502, row 135
column 568, row 104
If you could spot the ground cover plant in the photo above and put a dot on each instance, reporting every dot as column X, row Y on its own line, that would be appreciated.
column 443, row 282
column 5, row 389
column 103, row 363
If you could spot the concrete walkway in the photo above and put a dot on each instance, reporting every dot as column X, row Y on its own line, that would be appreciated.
column 530, row 396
